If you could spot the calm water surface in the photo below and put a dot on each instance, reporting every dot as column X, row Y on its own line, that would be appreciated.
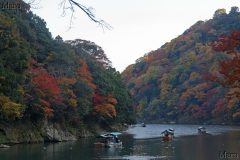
column 140, row 143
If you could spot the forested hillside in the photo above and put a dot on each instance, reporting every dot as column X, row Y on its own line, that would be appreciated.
column 192, row 79
column 65, row 82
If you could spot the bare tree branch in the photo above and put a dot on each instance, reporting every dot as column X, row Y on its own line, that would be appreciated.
column 72, row 4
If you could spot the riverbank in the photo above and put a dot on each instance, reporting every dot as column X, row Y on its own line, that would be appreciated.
column 49, row 132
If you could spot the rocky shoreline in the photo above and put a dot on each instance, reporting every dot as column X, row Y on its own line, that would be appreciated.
column 47, row 132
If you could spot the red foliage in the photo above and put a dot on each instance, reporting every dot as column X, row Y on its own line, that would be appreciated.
column 228, row 44
column 230, row 68
column 46, row 88
column 46, row 83
column 98, row 99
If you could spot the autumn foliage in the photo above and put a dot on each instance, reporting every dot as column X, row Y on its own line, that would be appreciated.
column 230, row 68
column 46, row 87
column 9, row 109
column 185, row 80
column 46, row 78
column 85, row 75
column 105, row 105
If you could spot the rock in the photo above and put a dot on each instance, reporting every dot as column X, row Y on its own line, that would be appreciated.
column 55, row 134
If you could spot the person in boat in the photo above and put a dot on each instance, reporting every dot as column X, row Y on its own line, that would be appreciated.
column 117, row 139
column 201, row 130
column 168, row 135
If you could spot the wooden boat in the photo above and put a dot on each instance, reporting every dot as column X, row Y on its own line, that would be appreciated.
column 4, row 146
column 143, row 125
column 202, row 131
column 168, row 135
column 109, row 140
column 113, row 144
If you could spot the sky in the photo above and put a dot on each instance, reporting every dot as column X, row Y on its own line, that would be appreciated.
column 139, row 26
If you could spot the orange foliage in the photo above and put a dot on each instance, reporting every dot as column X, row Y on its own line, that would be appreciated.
column 48, row 111
column 85, row 74
column 197, row 91
column 111, row 100
column 105, row 105
column 106, row 109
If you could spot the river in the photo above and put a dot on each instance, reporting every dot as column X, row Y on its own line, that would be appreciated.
column 140, row 143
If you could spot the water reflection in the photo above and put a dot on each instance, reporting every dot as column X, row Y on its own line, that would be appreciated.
column 207, row 147
column 191, row 147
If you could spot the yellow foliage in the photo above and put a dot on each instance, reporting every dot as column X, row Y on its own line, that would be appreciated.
column 72, row 102
column 236, row 115
column 9, row 109
column 66, row 81
column 70, row 93
column 193, row 76
column 20, row 90
column 232, row 102
column 3, row 100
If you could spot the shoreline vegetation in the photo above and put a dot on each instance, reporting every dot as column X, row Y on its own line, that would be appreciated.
column 54, row 90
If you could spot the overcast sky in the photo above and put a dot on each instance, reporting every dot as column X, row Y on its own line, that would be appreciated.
column 139, row 26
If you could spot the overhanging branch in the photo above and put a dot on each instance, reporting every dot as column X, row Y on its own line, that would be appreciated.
column 87, row 10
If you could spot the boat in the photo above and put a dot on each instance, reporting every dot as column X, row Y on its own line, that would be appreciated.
column 143, row 125
column 168, row 135
column 4, row 146
column 202, row 131
column 109, row 140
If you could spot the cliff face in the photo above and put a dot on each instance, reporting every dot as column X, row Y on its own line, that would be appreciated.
column 42, row 132
column 172, row 83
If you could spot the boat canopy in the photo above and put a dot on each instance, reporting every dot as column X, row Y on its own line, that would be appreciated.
column 201, row 128
column 169, row 131
column 109, row 135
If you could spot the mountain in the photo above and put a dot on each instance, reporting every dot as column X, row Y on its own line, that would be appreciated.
column 174, row 84
column 46, row 82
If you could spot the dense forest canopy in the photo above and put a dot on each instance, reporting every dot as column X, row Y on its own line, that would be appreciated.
column 192, row 78
column 48, row 79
